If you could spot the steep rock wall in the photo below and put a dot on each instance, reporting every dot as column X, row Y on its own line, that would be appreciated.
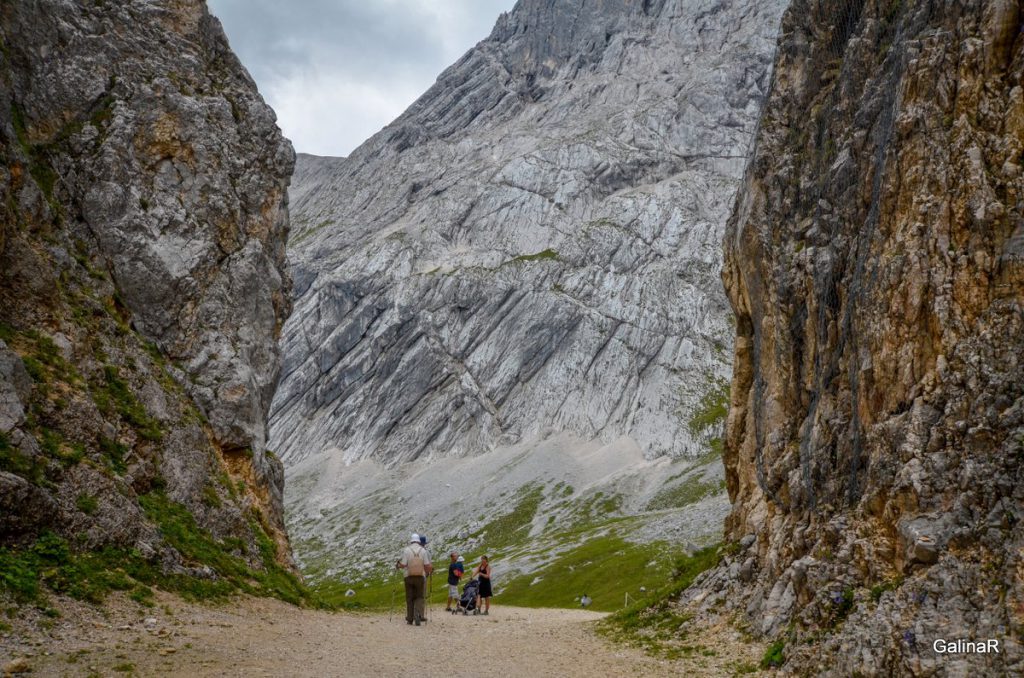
column 874, row 260
column 142, row 276
column 533, row 246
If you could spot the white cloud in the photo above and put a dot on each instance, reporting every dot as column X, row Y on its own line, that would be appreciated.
column 337, row 71
column 330, row 113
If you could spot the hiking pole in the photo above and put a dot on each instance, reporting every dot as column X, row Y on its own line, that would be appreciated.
column 394, row 586
column 430, row 589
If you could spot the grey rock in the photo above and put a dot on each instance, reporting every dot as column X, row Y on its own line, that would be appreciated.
column 185, row 192
column 526, row 259
column 15, row 387
column 142, row 252
column 24, row 507
column 924, row 550
column 533, row 245
column 746, row 570
column 873, row 265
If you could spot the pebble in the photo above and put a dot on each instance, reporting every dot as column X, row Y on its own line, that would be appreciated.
column 19, row 665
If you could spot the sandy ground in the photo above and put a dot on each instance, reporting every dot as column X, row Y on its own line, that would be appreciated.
column 259, row 637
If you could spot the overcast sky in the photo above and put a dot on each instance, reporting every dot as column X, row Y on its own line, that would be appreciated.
column 337, row 71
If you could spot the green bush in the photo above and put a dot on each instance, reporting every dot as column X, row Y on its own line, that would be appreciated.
column 774, row 656
column 878, row 589
column 114, row 453
column 113, row 395
column 143, row 595
column 87, row 504
column 13, row 461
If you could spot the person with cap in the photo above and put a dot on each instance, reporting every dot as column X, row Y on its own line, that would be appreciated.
column 455, row 571
column 415, row 560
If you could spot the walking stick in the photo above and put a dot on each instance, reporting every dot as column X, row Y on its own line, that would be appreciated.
column 394, row 586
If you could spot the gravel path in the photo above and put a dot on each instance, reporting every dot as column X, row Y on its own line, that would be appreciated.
column 259, row 637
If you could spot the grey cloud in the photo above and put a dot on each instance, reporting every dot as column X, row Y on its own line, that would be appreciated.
column 273, row 38
column 374, row 58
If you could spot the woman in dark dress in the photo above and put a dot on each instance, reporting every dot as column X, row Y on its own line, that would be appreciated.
column 483, row 573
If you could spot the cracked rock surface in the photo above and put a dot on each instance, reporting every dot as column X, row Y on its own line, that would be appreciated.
column 533, row 246
column 142, row 273
column 874, row 261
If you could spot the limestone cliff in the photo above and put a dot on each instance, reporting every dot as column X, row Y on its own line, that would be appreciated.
column 532, row 247
column 875, row 262
column 142, row 280
column 524, row 269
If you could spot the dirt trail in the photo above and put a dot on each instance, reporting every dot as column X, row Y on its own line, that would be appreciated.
column 259, row 637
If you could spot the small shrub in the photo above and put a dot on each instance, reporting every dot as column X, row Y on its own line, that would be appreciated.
column 6, row 333
column 13, row 461
column 774, row 656
column 87, row 504
column 143, row 595
column 115, row 396
column 878, row 589
column 842, row 602
column 114, row 454
column 35, row 369
column 210, row 497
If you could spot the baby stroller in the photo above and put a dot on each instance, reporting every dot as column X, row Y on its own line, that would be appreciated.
column 467, row 603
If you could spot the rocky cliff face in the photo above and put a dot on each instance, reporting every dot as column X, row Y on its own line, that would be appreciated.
column 532, row 246
column 142, row 277
column 525, row 268
column 875, row 261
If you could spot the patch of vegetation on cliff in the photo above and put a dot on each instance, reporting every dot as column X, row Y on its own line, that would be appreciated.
column 774, row 655
column 513, row 526
column 656, row 623
column 710, row 413
column 713, row 407
column 113, row 395
column 308, row 231
column 12, row 461
column 49, row 564
column 199, row 548
column 544, row 255
column 690, row 491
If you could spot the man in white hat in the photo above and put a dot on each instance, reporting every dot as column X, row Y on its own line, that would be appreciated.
column 415, row 560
